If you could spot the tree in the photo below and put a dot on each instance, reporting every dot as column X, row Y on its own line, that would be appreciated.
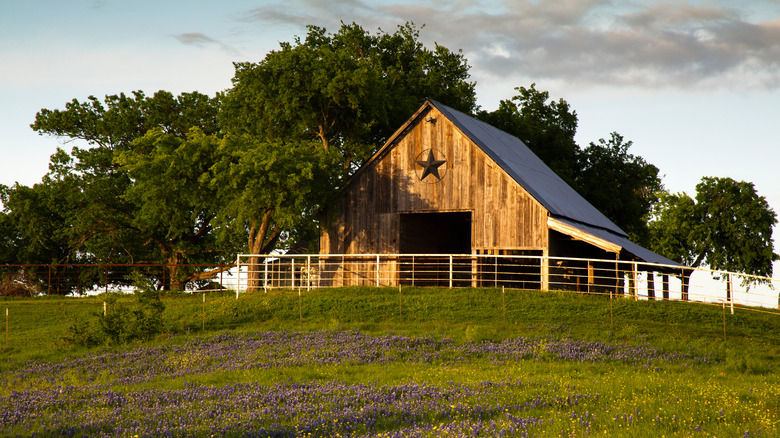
column 172, row 201
column 622, row 186
column 349, row 90
column 546, row 126
column 106, row 218
column 271, row 191
column 728, row 227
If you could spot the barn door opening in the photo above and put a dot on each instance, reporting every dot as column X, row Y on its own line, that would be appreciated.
column 435, row 233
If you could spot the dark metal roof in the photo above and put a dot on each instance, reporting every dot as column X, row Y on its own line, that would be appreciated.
column 529, row 171
column 632, row 248
column 562, row 201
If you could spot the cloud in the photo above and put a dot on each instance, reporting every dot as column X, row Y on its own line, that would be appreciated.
column 201, row 40
column 195, row 39
column 648, row 44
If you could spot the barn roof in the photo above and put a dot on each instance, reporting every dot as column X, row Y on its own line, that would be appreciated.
column 529, row 171
column 562, row 201
column 567, row 207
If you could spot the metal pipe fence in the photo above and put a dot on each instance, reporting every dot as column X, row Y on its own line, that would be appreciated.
column 637, row 280
column 84, row 279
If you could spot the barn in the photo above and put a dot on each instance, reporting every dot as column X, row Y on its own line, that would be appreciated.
column 446, row 183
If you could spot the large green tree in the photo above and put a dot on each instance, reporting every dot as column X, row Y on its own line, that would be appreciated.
column 173, row 202
column 270, row 192
column 619, row 184
column 349, row 90
column 105, row 217
column 728, row 226
column 622, row 186
column 546, row 126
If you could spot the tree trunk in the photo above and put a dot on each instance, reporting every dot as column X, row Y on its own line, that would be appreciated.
column 175, row 282
column 262, row 239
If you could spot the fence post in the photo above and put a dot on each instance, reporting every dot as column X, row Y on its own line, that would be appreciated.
column 308, row 273
column 778, row 299
column 450, row 271
column 495, row 271
column 292, row 272
column 731, row 293
column 265, row 274
column 377, row 270
column 238, row 271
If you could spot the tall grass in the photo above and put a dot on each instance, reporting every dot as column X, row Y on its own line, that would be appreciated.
column 379, row 361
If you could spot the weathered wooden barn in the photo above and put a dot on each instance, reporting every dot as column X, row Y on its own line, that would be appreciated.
column 446, row 183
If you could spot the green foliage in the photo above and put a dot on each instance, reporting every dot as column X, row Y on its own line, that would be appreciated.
column 349, row 90
column 148, row 314
column 546, row 126
column 671, row 228
column 617, row 183
column 728, row 227
column 622, row 186
column 121, row 324
column 272, row 189
column 34, row 223
column 127, row 192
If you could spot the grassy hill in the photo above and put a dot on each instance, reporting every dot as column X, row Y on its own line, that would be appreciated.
column 376, row 362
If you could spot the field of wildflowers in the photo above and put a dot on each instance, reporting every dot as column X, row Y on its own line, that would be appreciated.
column 349, row 383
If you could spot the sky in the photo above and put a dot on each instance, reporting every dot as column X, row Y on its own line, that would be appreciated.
column 695, row 85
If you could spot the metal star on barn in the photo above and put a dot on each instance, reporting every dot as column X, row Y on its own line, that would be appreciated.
column 430, row 166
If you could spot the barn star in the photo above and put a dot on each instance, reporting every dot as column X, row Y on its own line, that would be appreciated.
column 430, row 166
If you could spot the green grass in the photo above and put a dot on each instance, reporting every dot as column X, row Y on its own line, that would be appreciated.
column 738, row 392
column 37, row 327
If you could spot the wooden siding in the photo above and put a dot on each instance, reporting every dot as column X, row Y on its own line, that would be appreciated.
column 366, row 220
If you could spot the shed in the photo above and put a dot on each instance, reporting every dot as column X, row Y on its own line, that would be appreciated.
column 447, row 183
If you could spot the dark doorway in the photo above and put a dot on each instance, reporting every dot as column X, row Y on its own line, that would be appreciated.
column 435, row 233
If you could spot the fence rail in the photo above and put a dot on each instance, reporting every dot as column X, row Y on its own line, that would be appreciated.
column 252, row 272
column 81, row 279
column 633, row 279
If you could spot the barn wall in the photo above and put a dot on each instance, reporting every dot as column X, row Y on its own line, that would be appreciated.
column 366, row 220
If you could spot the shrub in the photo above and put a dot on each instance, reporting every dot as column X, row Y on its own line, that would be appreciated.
column 121, row 323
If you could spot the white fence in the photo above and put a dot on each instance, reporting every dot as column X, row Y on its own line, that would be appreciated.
column 633, row 279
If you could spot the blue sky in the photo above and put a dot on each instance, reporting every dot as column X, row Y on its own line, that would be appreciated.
column 694, row 84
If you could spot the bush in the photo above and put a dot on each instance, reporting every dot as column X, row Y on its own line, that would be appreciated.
column 121, row 323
